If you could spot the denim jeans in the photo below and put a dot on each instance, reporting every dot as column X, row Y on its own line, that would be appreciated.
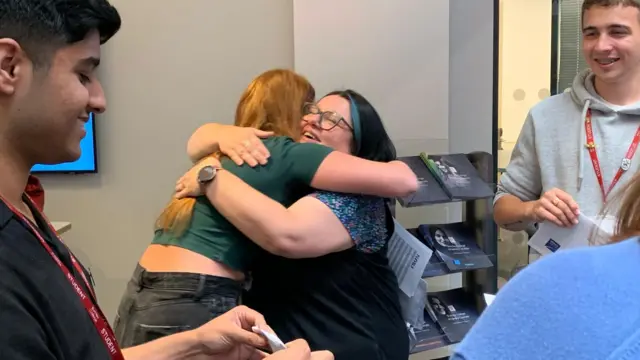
column 157, row 304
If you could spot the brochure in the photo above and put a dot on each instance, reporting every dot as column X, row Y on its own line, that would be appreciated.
column 429, row 191
column 435, row 266
column 455, row 312
column 455, row 245
column 457, row 176
column 428, row 336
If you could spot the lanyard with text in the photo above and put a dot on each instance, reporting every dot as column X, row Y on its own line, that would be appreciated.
column 626, row 161
column 96, row 315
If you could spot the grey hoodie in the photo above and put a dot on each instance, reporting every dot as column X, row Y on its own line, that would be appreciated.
column 550, row 151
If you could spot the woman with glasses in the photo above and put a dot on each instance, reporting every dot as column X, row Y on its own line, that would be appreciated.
column 327, row 278
column 197, row 263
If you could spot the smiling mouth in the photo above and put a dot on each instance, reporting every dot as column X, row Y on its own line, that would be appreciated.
column 607, row 61
column 310, row 136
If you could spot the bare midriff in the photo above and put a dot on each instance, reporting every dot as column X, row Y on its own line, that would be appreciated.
column 168, row 258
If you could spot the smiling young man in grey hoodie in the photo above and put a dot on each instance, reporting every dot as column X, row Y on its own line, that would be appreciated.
column 574, row 146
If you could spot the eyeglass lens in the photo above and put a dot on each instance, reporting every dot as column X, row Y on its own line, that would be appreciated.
column 328, row 119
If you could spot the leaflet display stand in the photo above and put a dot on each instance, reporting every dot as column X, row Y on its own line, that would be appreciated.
column 450, row 314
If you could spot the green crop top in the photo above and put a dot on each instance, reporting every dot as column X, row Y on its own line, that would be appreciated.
column 285, row 178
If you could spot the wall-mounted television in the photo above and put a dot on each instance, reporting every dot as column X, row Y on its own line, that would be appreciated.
column 88, row 161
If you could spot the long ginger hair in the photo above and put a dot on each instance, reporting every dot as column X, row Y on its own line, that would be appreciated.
column 273, row 101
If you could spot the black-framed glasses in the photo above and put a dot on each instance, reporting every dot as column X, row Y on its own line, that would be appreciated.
column 327, row 120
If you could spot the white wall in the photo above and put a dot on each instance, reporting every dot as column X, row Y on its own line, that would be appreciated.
column 396, row 53
column 471, row 76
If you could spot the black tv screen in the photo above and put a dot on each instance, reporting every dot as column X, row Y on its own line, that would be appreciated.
column 87, row 163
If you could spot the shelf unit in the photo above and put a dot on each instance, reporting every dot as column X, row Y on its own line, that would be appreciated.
column 478, row 215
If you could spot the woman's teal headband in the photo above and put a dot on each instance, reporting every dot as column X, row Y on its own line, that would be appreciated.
column 355, row 119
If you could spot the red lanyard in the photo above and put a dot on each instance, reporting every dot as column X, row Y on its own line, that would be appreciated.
column 626, row 161
column 96, row 315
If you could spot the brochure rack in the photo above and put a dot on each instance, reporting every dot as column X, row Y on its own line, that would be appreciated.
column 467, row 302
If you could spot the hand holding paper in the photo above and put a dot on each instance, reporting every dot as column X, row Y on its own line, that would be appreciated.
column 274, row 341
column 551, row 237
column 555, row 206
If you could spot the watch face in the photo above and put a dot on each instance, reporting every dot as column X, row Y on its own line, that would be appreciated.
column 206, row 174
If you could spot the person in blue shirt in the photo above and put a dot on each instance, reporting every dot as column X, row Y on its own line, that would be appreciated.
column 578, row 304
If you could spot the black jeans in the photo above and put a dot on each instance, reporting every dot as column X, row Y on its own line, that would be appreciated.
column 157, row 304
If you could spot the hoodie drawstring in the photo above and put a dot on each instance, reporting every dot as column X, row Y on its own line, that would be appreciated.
column 583, row 136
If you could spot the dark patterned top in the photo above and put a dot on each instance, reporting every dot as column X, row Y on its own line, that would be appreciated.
column 353, row 293
column 363, row 216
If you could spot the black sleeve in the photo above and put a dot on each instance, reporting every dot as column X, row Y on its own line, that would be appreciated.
column 21, row 335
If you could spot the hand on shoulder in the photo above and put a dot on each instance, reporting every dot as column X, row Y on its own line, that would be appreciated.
column 244, row 145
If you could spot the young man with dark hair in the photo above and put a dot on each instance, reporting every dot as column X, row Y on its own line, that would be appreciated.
column 49, row 52
column 577, row 148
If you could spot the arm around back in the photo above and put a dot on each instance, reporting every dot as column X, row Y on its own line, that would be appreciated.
column 329, row 222
column 326, row 169
column 204, row 141
column 337, row 171
column 240, row 144
column 349, row 174
column 520, row 184
column 308, row 228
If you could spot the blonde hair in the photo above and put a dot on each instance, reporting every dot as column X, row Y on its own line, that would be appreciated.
column 625, row 204
column 273, row 101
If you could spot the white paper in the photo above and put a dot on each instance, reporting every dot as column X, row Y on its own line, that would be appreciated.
column 488, row 298
column 550, row 238
column 408, row 258
column 274, row 341
column 606, row 225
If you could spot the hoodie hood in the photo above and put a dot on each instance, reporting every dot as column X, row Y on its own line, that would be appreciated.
column 583, row 93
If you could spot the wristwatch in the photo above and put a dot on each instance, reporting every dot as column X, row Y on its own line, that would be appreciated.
column 207, row 174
